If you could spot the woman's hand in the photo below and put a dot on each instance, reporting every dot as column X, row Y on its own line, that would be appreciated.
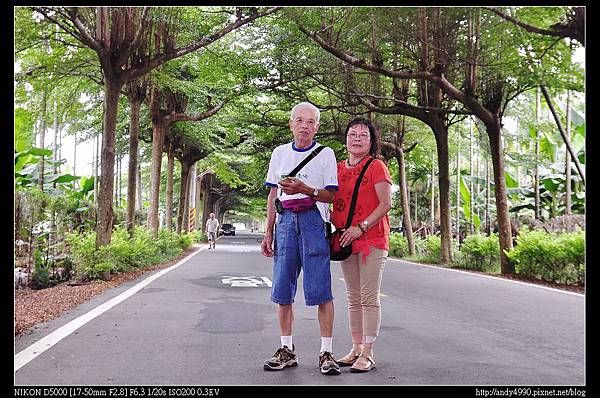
column 349, row 235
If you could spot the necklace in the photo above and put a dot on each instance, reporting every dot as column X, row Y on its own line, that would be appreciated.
column 357, row 163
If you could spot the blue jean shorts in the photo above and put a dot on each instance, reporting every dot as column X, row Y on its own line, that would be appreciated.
column 301, row 244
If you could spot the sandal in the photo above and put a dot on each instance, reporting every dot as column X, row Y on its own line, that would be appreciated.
column 350, row 359
column 369, row 367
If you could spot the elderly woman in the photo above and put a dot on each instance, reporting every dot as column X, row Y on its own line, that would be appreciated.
column 369, row 236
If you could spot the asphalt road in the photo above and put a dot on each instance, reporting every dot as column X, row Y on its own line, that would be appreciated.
column 209, row 321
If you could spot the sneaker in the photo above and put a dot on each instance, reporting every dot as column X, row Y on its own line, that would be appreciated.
column 282, row 358
column 327, row 364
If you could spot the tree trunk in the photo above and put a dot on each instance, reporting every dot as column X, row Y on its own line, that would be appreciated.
column 206, row 207
column 192, row 191
column 75, row 154
column 406, row 221
column 441, row 139
column 96, row 166
column 117, row 183
column 487, row 196
column 185, row 225
column 538, row 111
column 53, row 235
column 105, row 211
column 198, row 184
column 563, row 134
column 432, row 201
column 55, row 150
column 139, row 202
column 568, row 158
column 458, row 187
column 158, row 130
column 477, row 189
column 169, row 199
column 416, row 194
column 42, row 142
column 181, row 217
column 132, row 167
column 471, row 187
column 502, row 216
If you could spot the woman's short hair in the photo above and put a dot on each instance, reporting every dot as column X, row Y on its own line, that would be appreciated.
column 374, row 150
column 308, row 105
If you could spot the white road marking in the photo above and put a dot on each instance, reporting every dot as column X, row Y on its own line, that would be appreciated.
column 245, row 281
column 491, row 277
column 31, row 352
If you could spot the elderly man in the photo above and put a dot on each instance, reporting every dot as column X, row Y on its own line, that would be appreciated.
column 300, row 236
column 212, row 229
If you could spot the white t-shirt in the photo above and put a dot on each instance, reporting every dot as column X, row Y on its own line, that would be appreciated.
column 319, row 173
column 212, row 225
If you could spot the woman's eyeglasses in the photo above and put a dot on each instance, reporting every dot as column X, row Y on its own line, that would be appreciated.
column 362, row 136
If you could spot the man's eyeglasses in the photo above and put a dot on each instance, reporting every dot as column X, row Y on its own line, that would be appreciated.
column 300, row 121
column 362, row 136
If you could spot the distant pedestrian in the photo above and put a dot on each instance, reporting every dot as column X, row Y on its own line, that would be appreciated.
column 212, row 228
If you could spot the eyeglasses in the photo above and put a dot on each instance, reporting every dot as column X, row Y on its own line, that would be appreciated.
column 362, row 136
column 301, row 121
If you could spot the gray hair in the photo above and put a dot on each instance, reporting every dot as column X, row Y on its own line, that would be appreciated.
column 308, row 105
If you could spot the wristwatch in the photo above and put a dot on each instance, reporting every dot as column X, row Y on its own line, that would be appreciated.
column 364, row 226
column 316, row 192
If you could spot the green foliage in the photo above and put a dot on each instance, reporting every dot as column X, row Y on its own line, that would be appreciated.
column 549, row 256
column 123, row 253
column 432, row 249
column 23, row 129
column 480, row 252
column 40, row 269
column 197, row 236
column 466, row 197
column 399, row 245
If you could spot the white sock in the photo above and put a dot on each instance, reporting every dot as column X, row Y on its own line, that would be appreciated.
column 326, row 344
column 287, row 341
column 369, row 339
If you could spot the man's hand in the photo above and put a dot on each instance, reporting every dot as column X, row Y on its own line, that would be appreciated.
column 266, row 247
column 292, row 185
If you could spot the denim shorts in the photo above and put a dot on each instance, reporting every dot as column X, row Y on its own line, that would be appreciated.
column 301, row 244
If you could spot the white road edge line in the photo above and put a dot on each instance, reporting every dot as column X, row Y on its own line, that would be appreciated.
column 29, row 353
column 491, row 277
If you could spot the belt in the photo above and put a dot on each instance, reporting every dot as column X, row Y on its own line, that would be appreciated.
column 301, row 209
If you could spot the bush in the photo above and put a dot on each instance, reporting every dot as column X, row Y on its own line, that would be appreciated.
column 83, row 253
column 199, row 236
column 433, row 249
column 480, row 252
column 123, row 253
column 40, row 276
column 553, row 257
column 398, row 245
column 168, row 243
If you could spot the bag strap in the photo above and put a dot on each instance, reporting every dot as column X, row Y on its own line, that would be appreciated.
column 355, row 193
column 307, row 159
column 303, row 163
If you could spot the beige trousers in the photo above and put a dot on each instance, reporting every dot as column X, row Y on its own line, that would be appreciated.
column 363, row 283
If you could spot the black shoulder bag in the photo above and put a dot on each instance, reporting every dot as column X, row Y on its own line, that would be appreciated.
column 311, row 156
column 338, row 252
